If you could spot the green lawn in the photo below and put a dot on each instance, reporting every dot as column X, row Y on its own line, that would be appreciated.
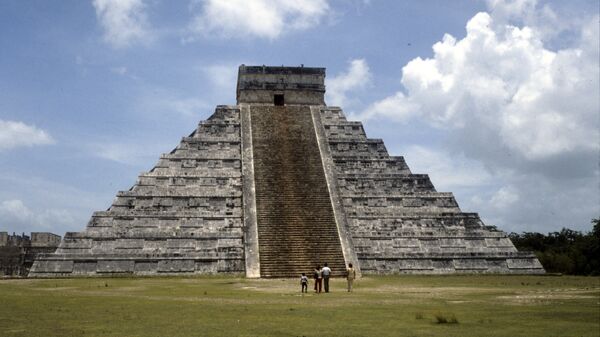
column 232, row 306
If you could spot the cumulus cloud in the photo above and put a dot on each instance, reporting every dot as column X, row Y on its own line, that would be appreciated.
column 124, row 21
column 547, row 23
column 512, row 9
column 447, row 172
column 536, row 102
column 16, row 209
column 504, row 197
column 358, row 76
column 397, row 107
column 16, row 134
column 31, row 203
column 15, row 214
column 525, row 202
column 259, row 18
column 523, row 106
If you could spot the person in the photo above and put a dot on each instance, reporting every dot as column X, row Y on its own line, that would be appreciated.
column 350, row 276
column 326, row 272
column 304, row 283
column 317, row 276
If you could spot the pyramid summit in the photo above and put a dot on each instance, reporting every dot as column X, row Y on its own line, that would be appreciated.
column 272, row 187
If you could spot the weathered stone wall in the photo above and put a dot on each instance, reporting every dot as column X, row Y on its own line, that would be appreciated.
column 44, row 239
column 298, row 85
column 195, row 212
column 183, row 216
column 399, row 223
column 17, row 252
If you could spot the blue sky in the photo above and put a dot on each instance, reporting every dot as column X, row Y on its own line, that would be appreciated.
column 497, row 100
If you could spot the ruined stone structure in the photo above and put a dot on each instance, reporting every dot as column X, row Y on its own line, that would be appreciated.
column 274, row 185
column 17, row 252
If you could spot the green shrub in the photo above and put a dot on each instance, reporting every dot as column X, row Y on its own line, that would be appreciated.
column 445, row 319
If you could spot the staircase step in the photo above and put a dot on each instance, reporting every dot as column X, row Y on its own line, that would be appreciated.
column 295, row 220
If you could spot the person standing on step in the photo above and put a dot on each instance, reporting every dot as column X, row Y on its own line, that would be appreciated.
column 317, row 276
column 304, row 283
column 350, row 276
column 326, row 272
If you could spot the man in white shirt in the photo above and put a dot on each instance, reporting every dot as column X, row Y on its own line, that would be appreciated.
column 326, row 272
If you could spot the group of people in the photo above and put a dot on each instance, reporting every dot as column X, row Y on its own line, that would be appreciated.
column 321, row 277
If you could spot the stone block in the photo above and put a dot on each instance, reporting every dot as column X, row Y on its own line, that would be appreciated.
column 53, row 266
column 176, row 266
column 524, row 264
column 146, row 267
column 206, row 267
column 470, row 264
column 115, row 266
column 84, row 267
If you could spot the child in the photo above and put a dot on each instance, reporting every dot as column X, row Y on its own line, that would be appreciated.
column 304, row 283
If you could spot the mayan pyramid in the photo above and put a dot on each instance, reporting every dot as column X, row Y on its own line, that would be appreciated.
column 275, row 185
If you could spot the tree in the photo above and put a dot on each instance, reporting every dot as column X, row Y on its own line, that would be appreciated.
column 567, row 251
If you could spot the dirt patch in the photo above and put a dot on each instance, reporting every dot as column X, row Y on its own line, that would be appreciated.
column 54, row 288
column 550, row 296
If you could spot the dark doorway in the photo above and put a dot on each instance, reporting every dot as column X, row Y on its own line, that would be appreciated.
column 278, row 99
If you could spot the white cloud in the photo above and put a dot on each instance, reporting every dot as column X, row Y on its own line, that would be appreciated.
column 16, row 209
column 223, row 76
column 358, row 76
column 529, row 13
column 124, row 21
column 16, row 214
column 15, row 134
column 505, row 197
column 516, row 102
column 396, row 107
column 447, row 172
column 259, row 18
column 536, row 102
column 30, row 203
column 512, row 9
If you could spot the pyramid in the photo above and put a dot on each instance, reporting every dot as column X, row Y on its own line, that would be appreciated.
column 272, row 187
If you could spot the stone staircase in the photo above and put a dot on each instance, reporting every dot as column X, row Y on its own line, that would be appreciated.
column 295, row 220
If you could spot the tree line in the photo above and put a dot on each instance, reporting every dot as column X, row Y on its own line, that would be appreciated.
column 567, row 252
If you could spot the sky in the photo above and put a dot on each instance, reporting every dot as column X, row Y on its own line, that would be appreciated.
column 498, row 101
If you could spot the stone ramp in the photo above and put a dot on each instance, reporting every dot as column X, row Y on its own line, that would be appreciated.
column 295, row 219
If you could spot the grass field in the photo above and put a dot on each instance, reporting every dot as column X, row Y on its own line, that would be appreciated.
column 232, row 306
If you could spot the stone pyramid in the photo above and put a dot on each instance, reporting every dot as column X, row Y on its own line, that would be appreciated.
column 272, row 187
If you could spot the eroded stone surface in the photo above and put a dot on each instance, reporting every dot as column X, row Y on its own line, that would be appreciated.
column 199, row 210
column 183, row 216
column 399, row 223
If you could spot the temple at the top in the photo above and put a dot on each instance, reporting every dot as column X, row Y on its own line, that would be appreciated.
column 281, row 85
column 273, row 186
